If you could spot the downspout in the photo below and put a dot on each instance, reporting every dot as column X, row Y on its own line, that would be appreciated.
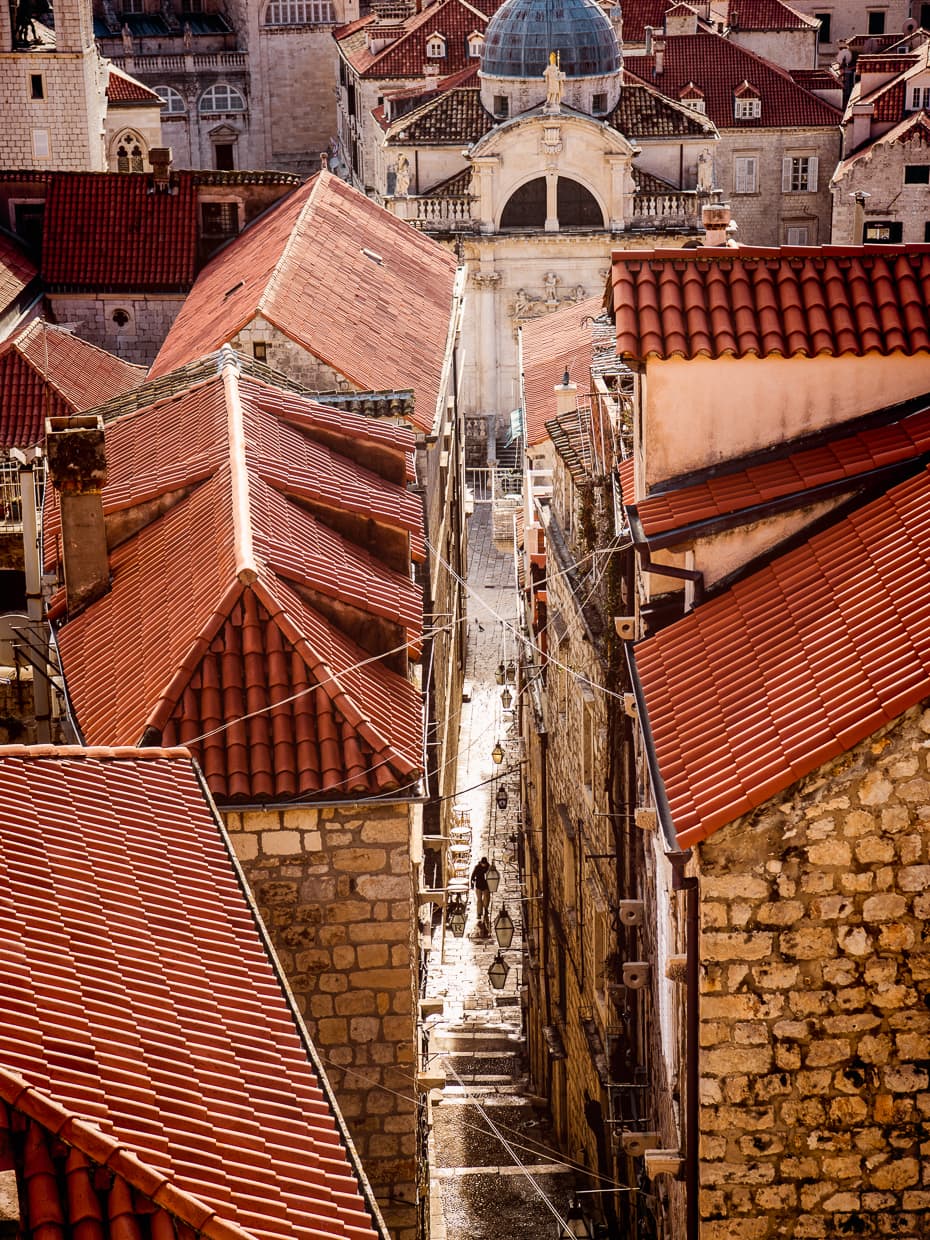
column 688, row 883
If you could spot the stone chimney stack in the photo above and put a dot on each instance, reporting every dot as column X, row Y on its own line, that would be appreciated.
column 648, row 32
column 658, row 48
column 78, row 467
column 566, row 396
column 160, row 159
column 717, row 220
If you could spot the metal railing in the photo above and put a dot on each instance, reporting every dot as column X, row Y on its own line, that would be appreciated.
column 490, row 483
column 11, row 507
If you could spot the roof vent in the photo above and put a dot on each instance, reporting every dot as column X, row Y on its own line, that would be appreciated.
column 375, row 258
column 229, row 292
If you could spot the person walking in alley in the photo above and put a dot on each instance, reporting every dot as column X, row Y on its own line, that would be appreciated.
column 482, row 891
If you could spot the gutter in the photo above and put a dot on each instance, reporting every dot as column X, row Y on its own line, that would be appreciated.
column 648, row 565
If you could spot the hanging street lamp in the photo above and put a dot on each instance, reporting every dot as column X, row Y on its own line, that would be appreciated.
column 499, row 674
column 492, row 876
column 455, row 919
column 498, row 972
column 502, row 797
column 506, row 698
column 510, row 672
column 503, row 929
column 497, row 754
column 576, row 1225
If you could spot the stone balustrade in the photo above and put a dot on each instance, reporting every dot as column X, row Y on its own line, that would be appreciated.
column 182, row 64
column 679, row 209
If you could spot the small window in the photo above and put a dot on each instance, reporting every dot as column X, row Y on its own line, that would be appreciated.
column 925, row 17
column 130, row 154
column 27, row 222
column 133, row 6
column 219, row 219
column 799, row 174
column 917, row 174
column 173, row 100
column 599, row 103
column 748, row 109
column 885, row 233
column 221, row 98
column 120, row 317
column 797, row 234
column 876, row 21
column 501, row 107
column 41, row 146
column 436, row 47
column 260, row 351
column 475, row 45
column 824, row 33
column 745, row 180
column 224, row 156
column 36, row 86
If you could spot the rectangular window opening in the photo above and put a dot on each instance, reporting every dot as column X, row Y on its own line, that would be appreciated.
column 260, row 350
column 885, row 232
column 501, row 107
column 224, row 156
column 36, row 86
column 219, row 219
column 917, row 174
column 876, row 21
column 824, row 32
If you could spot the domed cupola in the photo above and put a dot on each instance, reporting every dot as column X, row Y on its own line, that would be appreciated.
column 519, row 39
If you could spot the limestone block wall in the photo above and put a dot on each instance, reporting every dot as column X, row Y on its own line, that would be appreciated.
column 64, row 128
column 135, row 338
column 815, row 1025
column 298, row 82
column 284, row 355
column 881, row 175
column 334, row 889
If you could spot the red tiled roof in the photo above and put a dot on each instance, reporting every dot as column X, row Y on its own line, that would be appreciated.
column 914, row 128
column 638, row 14
column 121, row 88
column 766, row 15
column 16, row 271
column 236, row 616
column 358, row 289
column 553, row 344
column 846, row 457
column 406, row 56
column 793, row 302
column 889, row 102
column 719, row 68
column 627, row 470
column 46, row 371
column 145, row 1030
column 740, row 707
column 110, row 232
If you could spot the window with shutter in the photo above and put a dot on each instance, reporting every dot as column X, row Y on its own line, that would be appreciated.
column 745, row 174
column 799, row 174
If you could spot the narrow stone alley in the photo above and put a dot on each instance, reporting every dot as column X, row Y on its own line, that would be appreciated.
column 494, row 1168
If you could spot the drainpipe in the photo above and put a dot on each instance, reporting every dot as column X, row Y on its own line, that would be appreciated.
column 689, row 885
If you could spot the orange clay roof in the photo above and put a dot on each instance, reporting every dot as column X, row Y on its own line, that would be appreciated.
column 358, row 289
column 553, row 344
column 793, row 665
column 46, row 371
column 751, row 301
column 842, row 458
column 16, row 271
column 146, row 1033
column 233, row 619
column 406, row 56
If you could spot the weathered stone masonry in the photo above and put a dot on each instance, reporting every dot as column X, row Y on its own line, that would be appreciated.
column 334, row 888
column 815, row 1003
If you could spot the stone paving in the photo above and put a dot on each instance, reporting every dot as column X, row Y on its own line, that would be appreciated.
column 485, row 1126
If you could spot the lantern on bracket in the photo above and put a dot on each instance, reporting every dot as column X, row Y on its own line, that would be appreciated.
column 492, row 877
column 503, row 929
column 498, row 972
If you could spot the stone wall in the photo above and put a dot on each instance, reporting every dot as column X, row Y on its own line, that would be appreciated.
column 334, row 888
column 135, row 338
column 881, row 176
column 62, row 129
column 815, row 1028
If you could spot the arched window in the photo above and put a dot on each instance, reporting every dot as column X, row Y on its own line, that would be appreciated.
column 527, row 207
column 576, row 206
column 130, row 153
column 475, row 44
column 298, row 13
column 436, row 46
column 174, row 102
column 221, row 98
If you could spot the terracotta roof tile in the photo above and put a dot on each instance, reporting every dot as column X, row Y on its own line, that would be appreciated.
column 252, row 657
column 123, row 89
column 740, row 708
column 46, row 371
column 834, row 300
column 719, row 68
column 144, row 1018
column 768, row 15
column 318, row 249
column 16, row 271
column 553, row 344
column 406, row 57
column 110, row 232
column 455, row 117
column 643, row 112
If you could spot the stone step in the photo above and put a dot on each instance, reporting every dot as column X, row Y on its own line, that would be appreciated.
column 463, row 1038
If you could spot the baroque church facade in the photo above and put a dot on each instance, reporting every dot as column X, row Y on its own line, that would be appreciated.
column 534, row 160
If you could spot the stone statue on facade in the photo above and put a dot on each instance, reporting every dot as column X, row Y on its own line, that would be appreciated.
column 126, row 34
column 705, row 171
column 188, row 36
column 554, row 79
column 401, row 175
column 551, row 282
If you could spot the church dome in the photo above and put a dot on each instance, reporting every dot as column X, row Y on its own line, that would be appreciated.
column 522, row 33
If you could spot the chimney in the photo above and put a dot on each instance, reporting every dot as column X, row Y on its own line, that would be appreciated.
column 74, row 448
column 859, row 130
column 160, row 159
column 566, row 396
column 648, row 40
column 658, row 47
column 716, row 218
